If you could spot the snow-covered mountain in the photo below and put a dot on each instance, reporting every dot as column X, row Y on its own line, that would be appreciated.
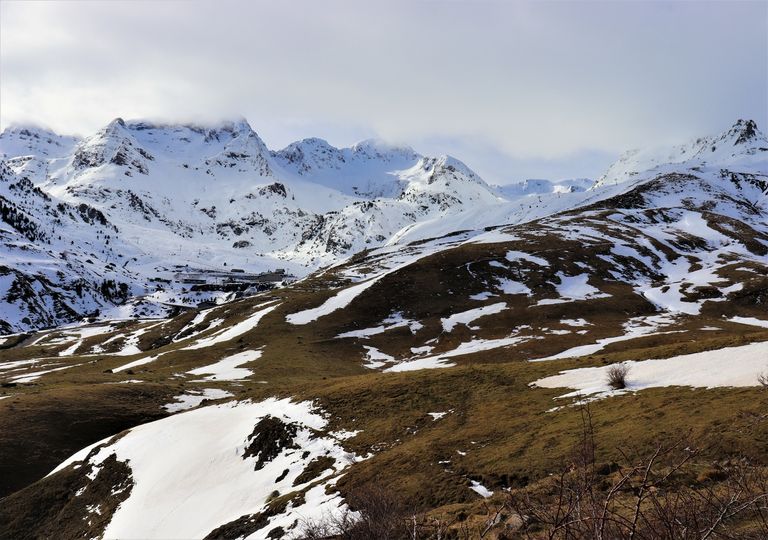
column 742, row 150
column 308, row 204
column 204, row 197
column 540, row 186
column 90, row 223
column 665, row 273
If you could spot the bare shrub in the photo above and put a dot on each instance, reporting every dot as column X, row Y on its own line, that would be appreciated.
column 617, row 376
column 656, row 494
column 647, row 496
column 376, row 515
column 762, row 379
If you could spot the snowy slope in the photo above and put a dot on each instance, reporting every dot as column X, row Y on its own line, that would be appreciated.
column 216, row 466
column 534, row 186
column 141, row 198
column 208, row 197
column 654, row 263
column 742, row 150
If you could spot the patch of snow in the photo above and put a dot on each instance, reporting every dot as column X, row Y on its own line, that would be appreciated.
column 29, row 377
column 514, row 256
column 136, row 363
column 343, row 298
column 190, row 474
column 728, row 367
column 233, row 331
column 496, row 236
column 432, row 362
column 375, row 358
column 556, row 332
column 339, row 301
column 752, row 321
column 575, row 322
column 508, row 286
column 440, row 360
column 634, row 328
column 573, row 288
column 396, row 320
column 195, row 398
column 344, row 434
column 480, row 489
column 15, row 364
column 227, row 368
column 467, row 317
column 131, row 345
column 69, row 351
column 197, row 321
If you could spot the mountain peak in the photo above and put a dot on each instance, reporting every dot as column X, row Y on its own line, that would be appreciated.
column 744, row 131
column 237, row 126
column 28, row 130
column 379, row 147
column 451, row 164
column 28, row 139
column 740, row 146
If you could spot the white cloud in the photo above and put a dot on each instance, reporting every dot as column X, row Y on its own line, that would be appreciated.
column 546, row 82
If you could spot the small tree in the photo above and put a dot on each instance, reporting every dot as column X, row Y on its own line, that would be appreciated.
column 617, row 376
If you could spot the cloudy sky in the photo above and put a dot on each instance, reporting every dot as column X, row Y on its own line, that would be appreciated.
column 514, row 89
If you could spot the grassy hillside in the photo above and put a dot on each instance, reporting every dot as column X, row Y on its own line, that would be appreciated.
column 584, row 287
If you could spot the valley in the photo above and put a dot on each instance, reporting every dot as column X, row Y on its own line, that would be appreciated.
column 386, row 323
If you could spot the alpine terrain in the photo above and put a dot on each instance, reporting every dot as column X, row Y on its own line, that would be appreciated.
column 206, row 338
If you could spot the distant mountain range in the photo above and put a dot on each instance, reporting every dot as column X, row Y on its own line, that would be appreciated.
column 90, row 225
column 442, row 358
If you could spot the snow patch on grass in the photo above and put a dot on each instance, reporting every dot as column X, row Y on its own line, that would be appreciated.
column 137, row 363
column 376, row 359
column 573, row 288
column 191, row 475
column 515, row 256
column 634, row 328
column 480, row 489
column 29, row 377
column 752, row 321
column 728, row 367
column 195, row 398
column 396, row 320
column 232, row 332
column 227, row 368
column 467, row 317
column 575, row 322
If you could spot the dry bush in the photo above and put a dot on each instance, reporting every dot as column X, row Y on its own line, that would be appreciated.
column 617, row 376
column 762, row 379
column 377, row 515
column 647, row 497
column 656, row 495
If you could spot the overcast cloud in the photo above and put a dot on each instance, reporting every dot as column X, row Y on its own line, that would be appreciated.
column 514, row 89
